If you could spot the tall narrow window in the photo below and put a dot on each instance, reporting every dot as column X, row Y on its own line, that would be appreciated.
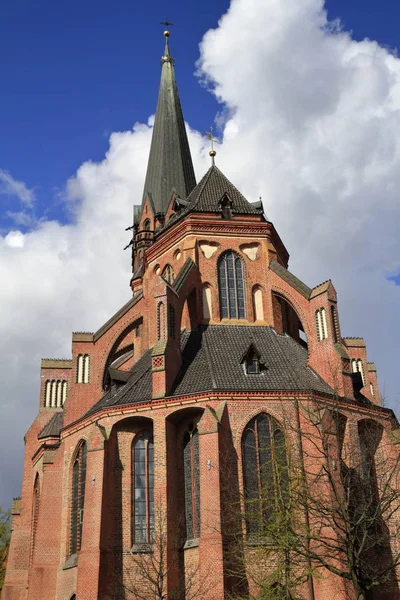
column 192, row 482
column 160, row 320
column 55, row 393
column 231, row 286
column 143, row 488
column 35, row 514
column 168, row 274
column 78, row 498
column 82, row 368
column 334, row 324
column 357, row 367
column 322, row 328
column 171, row 320
column 265, row 471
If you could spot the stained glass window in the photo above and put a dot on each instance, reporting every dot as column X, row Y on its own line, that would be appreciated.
column 78, row 498
column 265, row 471
column 231, row 286
column 143, row 489
column 192, row 483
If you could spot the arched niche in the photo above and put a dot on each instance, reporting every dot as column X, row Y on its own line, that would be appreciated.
column 207, row 302
column 189, row 315
column 120, row 346
column 286, row 319
column 258, row 304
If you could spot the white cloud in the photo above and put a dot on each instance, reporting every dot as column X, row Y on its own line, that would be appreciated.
column 311, row 124
column 12, row 187
column 14, row 239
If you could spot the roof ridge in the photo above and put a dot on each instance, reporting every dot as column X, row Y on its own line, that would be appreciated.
column 205, row 180
column 209, row 361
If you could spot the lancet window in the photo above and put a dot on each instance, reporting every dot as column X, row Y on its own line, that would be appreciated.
column 168, row 274
column 265, row 471
column 357, row 367
column 143, row 488
column 82, row 368
column 192, row 482
column 78, row 498
column 35, row 513
column 231, row 286
column 322, row 328
column 55, row 393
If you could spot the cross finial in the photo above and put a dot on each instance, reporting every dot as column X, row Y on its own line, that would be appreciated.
column 213, row 141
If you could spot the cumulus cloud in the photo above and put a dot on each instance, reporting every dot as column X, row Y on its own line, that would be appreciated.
column 315, row 131
column 14, row 188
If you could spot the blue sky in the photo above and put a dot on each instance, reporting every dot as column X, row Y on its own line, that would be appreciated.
column 71, row 76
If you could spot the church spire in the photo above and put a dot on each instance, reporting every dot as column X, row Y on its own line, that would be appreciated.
column 170, row 163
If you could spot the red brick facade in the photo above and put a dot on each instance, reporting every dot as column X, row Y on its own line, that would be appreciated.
column 40, row 564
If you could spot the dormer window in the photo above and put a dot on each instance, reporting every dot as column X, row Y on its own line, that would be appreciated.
column 251, row 362
column 226, row 207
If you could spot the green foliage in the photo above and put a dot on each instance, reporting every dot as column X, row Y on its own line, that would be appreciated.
column 5, row 532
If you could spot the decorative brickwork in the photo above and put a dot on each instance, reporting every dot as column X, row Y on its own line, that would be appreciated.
column 176, row 404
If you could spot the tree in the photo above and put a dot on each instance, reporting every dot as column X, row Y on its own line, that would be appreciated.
column 351, row 497
column 4, row 542
column 333, row 505
column 148, row 569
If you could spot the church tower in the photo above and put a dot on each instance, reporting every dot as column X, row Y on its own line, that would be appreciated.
column 156, row 438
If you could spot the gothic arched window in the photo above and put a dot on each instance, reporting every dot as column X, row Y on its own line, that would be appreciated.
column 322, row 328
column 168, row 274
column 192, row 482
column 265, row 471
column 35, row 513
column 143, row 488
column 231, row 286
column 78, row 498
column 55, row 393
column 82, row 368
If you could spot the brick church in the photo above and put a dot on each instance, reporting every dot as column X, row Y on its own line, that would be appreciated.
column 172, row 414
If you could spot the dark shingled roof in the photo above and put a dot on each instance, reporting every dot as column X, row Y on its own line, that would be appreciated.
column 170, row 163
column 207, row 195
column 212, row 361
column 291, row 279
column 53, row 427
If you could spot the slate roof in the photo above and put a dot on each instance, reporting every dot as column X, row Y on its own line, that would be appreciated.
column 212, row 188
column 53, row 427
column 208, row 193
column 291, row 279
column 212, row 361
column 170, row 166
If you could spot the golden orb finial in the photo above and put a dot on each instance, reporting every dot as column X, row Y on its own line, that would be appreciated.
column 166, row 33
column 212, row 153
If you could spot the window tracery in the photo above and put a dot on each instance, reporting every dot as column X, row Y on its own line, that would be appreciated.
column 191, row 482
column 78, row 498
column 265, row 471
column 231, row 286
column 143, row 489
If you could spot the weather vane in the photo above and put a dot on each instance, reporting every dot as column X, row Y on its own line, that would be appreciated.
column 213, row 141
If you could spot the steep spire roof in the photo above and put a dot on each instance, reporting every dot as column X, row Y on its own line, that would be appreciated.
column 170, row 163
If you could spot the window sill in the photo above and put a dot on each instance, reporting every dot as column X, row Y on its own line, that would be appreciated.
column 191, row 544
column 142, row 549
column 72, row 561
